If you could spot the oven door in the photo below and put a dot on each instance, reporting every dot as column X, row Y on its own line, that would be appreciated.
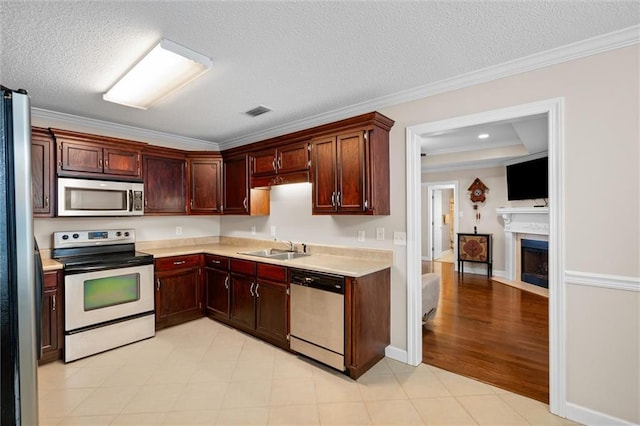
column 97, row 297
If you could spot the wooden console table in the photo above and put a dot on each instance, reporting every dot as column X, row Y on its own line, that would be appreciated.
column 475, row 248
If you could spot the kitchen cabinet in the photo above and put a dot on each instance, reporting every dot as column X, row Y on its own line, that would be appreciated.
column 350, row 169
column 164, row 182
column 52, row 323
column 260, row 300
column 238, row 198
column 272, row 304
column 367, row 320
column 205, row 185
column 216, row 286
column 285, row 164
column 42, row 172
column 178, row 295
column 84, row 155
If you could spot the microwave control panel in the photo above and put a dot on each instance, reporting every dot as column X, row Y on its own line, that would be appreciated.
column 137, row 201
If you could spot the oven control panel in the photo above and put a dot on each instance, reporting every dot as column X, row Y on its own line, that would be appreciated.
column 66, row 239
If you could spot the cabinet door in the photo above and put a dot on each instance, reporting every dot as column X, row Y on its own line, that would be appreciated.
column 242, row 312
column 205, row 186
column 80, row 157
column 121, row 162
column 324, row 174
column 42, row 178
column 350, row 172
column 236, row 185
column 178, row 296
column 52, row 318
column 164, row 185
column 263, row 163
column 217, row 293
column 293, row 158
column 272, row 312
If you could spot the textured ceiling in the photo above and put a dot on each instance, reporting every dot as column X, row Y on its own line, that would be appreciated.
column 302, row 59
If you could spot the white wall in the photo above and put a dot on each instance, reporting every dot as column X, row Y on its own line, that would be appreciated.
column 489, row 223
column 602, row 212
column 148, row 228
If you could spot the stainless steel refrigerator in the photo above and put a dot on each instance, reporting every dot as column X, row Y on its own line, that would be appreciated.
column 20, row 267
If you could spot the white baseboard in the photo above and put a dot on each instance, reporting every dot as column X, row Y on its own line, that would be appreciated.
column 587, row 416
column 396, row 354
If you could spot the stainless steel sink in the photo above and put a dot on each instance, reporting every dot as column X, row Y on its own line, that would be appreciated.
column 275, row 254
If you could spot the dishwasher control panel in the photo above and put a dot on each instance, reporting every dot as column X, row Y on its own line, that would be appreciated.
column 321, row 281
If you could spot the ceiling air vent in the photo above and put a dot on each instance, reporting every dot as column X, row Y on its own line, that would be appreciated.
column 259, row 110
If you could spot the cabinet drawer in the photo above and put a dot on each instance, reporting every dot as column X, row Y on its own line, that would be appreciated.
column 51, row 280
column 215, row 261
column 177, row 262
column 246, row 267
column 272, row 272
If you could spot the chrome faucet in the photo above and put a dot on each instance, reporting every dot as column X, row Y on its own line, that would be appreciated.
column 292, row 246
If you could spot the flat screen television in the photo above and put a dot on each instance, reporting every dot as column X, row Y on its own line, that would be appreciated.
column 528, row 180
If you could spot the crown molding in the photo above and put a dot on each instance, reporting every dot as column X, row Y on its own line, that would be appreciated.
column 611, row 41
column 591, row 46
column 137, row 133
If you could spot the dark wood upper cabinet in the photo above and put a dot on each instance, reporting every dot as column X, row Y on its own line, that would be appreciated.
column 238, row 198
column 93, row 156
column 205, row 185
column 285, row 164
column 164, row 182
column 350, row 170
column 42, row 172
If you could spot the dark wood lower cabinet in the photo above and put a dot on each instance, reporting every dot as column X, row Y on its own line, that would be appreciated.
column 367, row 320
column 178, row 295
column 216, row 289
column 243, row 303
column 52, row 325
column 272, row 312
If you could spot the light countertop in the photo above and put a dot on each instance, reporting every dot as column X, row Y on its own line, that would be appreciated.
column 347, row 261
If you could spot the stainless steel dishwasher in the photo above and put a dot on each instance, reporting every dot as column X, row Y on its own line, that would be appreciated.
column 317, row 316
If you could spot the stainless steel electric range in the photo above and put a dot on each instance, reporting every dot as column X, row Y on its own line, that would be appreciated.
column 108, row 290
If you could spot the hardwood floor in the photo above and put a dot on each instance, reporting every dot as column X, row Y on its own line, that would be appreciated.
column 489, row 331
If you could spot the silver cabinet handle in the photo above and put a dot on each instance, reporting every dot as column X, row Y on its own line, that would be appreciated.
column 251, row 289
column 181, row 262
column 280, row 162
column 273, row 163
column 226, row 282
column 339, row 199
column 46, row 201
column 245, row 203
column 257, row 285
column 157, row 284
column 215, row 262
column 333, row 199
column 53, row 303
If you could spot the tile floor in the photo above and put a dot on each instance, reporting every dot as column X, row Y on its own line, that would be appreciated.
column 203, row 373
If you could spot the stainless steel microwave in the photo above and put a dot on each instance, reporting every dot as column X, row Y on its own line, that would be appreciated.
column 84, row 197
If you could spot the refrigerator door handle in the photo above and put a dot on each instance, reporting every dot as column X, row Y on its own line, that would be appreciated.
column 39, row 296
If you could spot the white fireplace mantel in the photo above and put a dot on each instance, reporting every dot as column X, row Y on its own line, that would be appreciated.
column 525, row 220
column 518, row 221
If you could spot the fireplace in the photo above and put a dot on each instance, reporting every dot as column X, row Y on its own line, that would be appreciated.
column 534, row 268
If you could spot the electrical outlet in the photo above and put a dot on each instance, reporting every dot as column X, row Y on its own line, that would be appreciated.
column 253, row 230
column 273, row 231
column 400, row 238
column 380, row 234
column 178, row 230
column 360, row 235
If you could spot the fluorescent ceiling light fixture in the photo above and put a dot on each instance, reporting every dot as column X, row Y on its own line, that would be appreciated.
column 165, row 69
column 483, row 136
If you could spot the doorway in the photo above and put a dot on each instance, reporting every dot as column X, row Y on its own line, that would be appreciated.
column 440, row 223
column 557, row 334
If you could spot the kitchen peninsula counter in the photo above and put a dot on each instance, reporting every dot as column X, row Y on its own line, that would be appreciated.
column 347, row 261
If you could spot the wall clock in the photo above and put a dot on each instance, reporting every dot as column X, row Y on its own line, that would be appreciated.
column 478, row 190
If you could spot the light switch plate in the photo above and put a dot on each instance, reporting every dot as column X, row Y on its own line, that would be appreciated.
column 380, row 234
column 178, row 230
column 400, row 238
column 360, row 235
column 273, row 231
column 253, row 230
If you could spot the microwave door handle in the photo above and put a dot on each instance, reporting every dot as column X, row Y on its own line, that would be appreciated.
column 131, row 200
